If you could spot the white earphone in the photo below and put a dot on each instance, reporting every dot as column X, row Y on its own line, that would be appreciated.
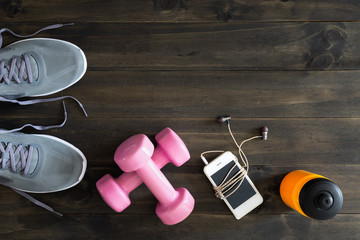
column 264, row 135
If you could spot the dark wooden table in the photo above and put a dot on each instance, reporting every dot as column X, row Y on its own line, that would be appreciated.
column 291, row 65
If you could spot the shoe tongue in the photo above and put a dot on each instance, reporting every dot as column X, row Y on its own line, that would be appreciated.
column 34, row 68
column 34, row 161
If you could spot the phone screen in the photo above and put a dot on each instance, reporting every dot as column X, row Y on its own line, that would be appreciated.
column 242, row 194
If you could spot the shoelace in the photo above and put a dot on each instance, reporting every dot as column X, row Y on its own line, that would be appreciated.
column 8, row 157
column 9, row 153
column 35, row 101
column 37, row 202
column 54, row 26
column 26, row 156
column 22, row 65
column 24, row 163
column 19, row 67
column 7, row 73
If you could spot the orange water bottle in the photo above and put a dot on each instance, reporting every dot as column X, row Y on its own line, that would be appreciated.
column 310, row 194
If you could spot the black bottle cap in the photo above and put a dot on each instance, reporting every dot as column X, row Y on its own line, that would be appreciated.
column 320, row 199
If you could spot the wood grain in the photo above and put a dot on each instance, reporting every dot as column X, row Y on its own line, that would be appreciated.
column 292, row 142
column 200, row 226
column 178, row 10
column 211, row 46
column 290, row 65
column 206, row 94
column 84, row 198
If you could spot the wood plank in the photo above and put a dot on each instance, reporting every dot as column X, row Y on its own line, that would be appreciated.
column 112, row 226
column 174, row 63
column 84, row 197
column 292, row 142
column 154, row 46
column 211, row 46
column 204, row 94
column 208, row 94
column 178, row 10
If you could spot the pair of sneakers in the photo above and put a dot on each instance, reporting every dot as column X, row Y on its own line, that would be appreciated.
column 36, row 67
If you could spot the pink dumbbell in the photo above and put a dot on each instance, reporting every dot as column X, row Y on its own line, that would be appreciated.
column 134, row 155
column 115, row 191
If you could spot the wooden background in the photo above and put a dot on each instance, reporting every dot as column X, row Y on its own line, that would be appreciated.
column 291, row 65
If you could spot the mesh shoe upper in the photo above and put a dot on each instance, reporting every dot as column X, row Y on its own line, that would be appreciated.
column 39, row 67
column 30, row 68
column 53, row 164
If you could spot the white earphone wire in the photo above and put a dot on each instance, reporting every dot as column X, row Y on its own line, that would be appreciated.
column 237, row 179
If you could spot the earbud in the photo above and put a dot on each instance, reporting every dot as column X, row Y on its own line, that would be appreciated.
column 223, row 119
column 264, row 132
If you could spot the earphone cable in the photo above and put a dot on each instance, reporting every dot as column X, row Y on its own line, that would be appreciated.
column 237, row 179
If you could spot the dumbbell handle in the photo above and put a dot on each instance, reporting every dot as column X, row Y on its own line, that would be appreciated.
column 157, row 183
column 130, row 181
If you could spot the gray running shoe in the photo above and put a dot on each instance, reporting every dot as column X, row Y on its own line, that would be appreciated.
column 39, row 66
column 39, row 163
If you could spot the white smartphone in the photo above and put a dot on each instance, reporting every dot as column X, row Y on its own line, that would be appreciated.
column 246, row 197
